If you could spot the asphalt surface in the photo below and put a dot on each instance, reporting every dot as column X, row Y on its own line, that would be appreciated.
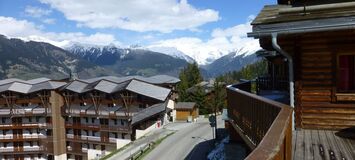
column 136, row 145
column 192, row 142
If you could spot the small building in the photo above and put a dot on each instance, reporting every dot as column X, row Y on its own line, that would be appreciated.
column 186, row 111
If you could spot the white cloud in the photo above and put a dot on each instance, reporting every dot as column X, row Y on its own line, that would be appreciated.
column 26, row 30
column 136, row 15
column 222, row 42
column 49, row 21
column 36, row 11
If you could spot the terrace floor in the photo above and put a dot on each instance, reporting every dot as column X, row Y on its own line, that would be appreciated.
column 321, row 144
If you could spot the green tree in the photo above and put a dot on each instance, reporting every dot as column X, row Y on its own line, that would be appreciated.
column 189, row 77
column 218, row 100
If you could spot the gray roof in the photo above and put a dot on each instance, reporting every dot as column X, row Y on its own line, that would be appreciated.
column 148, row 90
column 185, row 105
column 288, row 19
column 112, row 84
column 148, row 112
column 30, row 86
column 158, row 79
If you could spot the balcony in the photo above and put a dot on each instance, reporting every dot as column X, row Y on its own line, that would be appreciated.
column 24, row 137
column 84, row 138
column 22, row 150
column 25, row 111
column 24, row 125
column 104, row 112
column 264, row 125
column 98, row 127
column 6, row 150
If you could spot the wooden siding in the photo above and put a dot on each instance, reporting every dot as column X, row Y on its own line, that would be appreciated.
column 182, row 114
column 315, row 61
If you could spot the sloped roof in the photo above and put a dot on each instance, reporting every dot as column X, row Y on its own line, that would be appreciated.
column 148, row 90
column 148, row 112
column 185, row 105
column 158, row 79
column 112, row 84
column 289, row 19
column 30, row 86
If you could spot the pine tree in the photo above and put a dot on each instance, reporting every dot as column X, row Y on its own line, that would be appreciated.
column 189, row 77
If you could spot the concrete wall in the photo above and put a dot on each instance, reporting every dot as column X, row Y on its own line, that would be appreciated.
column 171, row 105
column 140, row 133
column 94, row 154
column 60, row 157
column 122, row 142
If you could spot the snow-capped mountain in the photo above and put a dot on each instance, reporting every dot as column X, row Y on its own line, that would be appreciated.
column 247, row 49
column 207, row 53
column 134, row 60
column 172, row 51
column 234, row 60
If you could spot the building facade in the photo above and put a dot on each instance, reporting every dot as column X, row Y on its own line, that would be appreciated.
column 28, row 111
column 79, row 119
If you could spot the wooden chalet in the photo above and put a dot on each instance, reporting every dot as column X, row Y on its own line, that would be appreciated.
column 310, row 46
column 186, row 111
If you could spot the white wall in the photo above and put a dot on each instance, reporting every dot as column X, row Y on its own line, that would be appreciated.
column 93, row 153
column 122, row 142
column 171, row 104
column 140, row 133
column 60, row 157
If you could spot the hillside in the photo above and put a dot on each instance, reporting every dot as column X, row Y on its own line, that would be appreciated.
column 31, row 59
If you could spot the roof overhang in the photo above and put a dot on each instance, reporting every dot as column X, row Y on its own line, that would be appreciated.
column 306, row 26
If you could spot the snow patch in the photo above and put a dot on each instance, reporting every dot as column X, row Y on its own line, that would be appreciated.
column 218, row 152
column 171, row 51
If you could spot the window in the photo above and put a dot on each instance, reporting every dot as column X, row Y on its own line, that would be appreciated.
column 92, row 120
column 3, row 120
column 346, row 73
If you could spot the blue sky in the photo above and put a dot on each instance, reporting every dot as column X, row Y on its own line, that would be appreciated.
column 214, row 24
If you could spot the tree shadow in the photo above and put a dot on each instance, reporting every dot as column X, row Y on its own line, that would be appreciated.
column 233, row 150
column 201, row 150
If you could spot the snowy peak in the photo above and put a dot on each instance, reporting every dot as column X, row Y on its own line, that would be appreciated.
column 172, row 51
column 84, row 50
column 246, row 50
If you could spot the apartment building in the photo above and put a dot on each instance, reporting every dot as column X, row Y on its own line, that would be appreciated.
column 29, row 125
column 79, row 119
column 106, row 113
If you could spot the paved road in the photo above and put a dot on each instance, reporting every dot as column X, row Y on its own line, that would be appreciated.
column 191, row 142
column 150, row 137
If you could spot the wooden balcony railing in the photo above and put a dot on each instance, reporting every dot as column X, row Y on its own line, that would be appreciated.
column 264, row 125
column 270, row 83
